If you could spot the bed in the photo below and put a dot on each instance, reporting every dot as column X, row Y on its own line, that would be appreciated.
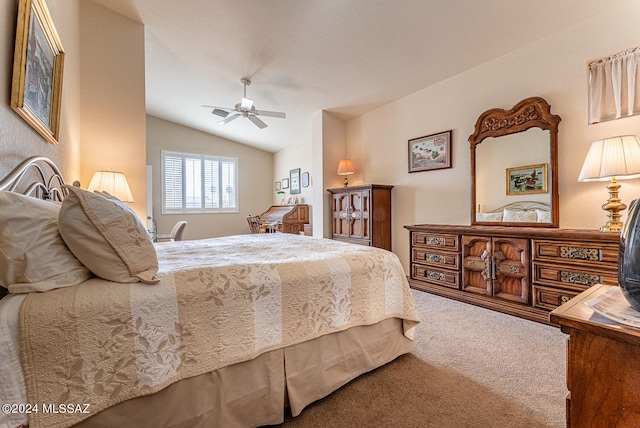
column 103, row 328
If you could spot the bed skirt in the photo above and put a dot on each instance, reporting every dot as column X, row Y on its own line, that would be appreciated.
column 255, row 393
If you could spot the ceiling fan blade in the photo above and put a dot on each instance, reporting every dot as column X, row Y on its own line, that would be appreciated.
column 246, row 104
column 229, row 119
column 260, row 124
column 279, row 114
column 219, row 111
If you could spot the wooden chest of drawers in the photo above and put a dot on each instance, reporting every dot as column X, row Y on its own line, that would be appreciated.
column 525, row 272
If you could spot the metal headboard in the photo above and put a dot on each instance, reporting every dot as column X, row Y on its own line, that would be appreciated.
column 36, row 176
column 523, row 206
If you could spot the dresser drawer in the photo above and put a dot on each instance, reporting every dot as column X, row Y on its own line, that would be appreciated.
column 436, row 276
column 550, row 298
column 436, row 240
column 576, row 278
column 592, row 254
column 427, row 256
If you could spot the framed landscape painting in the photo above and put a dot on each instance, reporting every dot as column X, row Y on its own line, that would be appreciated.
column 430, row 152
column 38, row 63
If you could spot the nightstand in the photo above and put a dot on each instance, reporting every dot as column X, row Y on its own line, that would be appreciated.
column 603, row 365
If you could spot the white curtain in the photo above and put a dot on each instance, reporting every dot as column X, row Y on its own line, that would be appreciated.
column 614, row 86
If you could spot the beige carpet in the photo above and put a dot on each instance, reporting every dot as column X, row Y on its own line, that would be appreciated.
column 471, row 368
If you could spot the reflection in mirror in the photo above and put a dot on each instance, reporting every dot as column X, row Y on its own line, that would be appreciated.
column 514, row 162
column 495, row 156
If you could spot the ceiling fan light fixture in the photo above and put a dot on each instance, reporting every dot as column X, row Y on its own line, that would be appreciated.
column 246, row 104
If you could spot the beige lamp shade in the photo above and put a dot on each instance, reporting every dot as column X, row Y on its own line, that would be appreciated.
column 112, row 182
column 345, row 167
column 617, row 157
column 611, row 159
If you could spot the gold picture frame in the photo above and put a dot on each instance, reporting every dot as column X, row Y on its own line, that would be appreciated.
column 38, row 64
column 527, row 179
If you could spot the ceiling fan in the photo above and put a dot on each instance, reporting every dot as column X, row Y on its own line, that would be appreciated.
column 245, row 108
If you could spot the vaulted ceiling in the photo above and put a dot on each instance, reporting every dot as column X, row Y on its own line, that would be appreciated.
column 346, row 57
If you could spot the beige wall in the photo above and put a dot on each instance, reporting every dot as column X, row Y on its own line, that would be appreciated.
column 554, row 68
column 298, row 156
column 17, row 139
column 102, row 121
column 255, row 178
column 113, row 98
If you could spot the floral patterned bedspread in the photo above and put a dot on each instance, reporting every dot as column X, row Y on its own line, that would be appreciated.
column 220, row 301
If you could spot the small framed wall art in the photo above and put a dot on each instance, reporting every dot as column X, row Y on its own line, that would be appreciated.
column 285, row 183
column 294, row 177
column 36, row 88
column 527, row 179
column 305, row 179
column 430, row 152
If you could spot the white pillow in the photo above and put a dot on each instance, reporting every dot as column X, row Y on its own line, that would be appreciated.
column 519, row 216
column 543, row 216
column 33, row 256
column 489, row 217
column 107, row 237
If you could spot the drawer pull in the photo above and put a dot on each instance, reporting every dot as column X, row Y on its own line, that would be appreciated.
column 434, row 258
column 432, row 240
column 439, row 276
column 565, row 299
column 577, row 253
column 579, row 278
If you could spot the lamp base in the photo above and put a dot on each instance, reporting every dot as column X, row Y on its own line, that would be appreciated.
column 346, row 181
column 614, row 205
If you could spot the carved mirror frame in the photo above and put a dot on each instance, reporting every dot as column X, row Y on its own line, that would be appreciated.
column 532, row 112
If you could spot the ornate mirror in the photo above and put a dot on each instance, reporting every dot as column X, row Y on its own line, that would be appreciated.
column 514, row 163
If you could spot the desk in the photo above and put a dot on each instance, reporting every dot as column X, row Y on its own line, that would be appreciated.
column 603, row 365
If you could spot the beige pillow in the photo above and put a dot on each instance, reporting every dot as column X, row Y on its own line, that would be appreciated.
column 107, row 237
column 33, row 256
column 495, row 217
column 543, row 216
column 519, row 216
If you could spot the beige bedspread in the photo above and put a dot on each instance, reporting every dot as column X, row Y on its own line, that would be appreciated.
column 220, row 301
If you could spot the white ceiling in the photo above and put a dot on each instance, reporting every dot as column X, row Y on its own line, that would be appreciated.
column 303, row 56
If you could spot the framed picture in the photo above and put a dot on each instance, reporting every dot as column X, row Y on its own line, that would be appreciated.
column 527, row 179
column 293, row 200
column 294, row 176
column 278, row 185
column 305, row 179
column 38, row 62
column 430, row 152
column 285, row 183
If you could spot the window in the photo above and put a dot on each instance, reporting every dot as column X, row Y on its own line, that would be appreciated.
column 193, row 183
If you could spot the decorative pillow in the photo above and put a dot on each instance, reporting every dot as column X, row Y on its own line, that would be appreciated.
column 489, row 217
column 107, row 237
column 519, row 216
column 543, row 216
column 33, row 256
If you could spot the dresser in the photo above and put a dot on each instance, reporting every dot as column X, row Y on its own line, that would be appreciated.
column 362, row 214
column 603, row 366
column 522, row 271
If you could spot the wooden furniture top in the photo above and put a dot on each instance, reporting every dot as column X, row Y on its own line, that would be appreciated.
column 280, row 213
column 531, row 232
column 575, row 314
column 359, row 187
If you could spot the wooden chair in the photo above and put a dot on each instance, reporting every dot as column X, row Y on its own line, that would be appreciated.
column 254, row 223
column 176, row 232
